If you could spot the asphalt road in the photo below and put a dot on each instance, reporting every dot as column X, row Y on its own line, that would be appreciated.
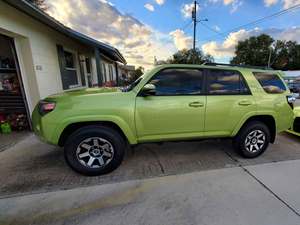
column 34, row 167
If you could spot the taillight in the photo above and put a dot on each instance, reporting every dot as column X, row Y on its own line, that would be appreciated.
column 291, row 100
column 46, row 107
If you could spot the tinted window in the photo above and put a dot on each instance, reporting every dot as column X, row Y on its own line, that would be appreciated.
column 226, row 82
column 271, row 83
column 178, row 82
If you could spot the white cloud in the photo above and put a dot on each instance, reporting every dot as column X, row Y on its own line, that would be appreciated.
column 234, row 4
column 138, row 42
column 269, row 3
column 149, row 7
column 286, row 3
column 217, row 28
column 187, row 10
column 227, row 47
column 290, row 3
column 160, row 2
column 181, row 41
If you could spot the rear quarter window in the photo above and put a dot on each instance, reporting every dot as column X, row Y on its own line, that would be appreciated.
column 270, row 82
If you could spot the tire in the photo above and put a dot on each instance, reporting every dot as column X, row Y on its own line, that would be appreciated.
column 94, row 150
column 252, row 140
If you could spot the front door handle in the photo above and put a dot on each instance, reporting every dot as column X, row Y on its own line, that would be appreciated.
column 245, row 103
column 196, row 104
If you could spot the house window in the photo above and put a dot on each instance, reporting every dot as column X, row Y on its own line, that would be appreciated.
column 69, row 58
column 67, row 63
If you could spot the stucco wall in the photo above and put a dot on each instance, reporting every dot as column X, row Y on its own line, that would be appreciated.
column 37, row 52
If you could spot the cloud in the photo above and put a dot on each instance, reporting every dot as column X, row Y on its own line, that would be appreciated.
column 227, row 47
column 269, row 3
column 160, row 2
column 181, row 41
column 235, row 4
column 187, row 10
column 290, row 3
column 286, row 3
column 99, row 19
column 149, row 7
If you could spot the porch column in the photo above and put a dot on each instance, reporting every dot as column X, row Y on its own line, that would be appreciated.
column 98, row 67
column 117, row 73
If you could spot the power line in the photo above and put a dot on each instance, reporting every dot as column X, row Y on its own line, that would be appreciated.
column 211, row 29
column 255, row 22
column 183, row 28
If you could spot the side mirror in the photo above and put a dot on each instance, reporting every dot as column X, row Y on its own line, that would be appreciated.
column 148, row 89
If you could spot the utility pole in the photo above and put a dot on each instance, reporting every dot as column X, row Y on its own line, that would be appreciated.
column 194, row 18
column 195, row 21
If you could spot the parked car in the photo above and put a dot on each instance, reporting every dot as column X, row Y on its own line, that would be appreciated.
column 168, row 103
column 295, row 129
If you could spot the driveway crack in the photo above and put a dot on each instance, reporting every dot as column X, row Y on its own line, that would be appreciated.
column 157, row 160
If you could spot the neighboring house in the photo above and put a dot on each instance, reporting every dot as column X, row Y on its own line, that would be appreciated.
column 40, row 56
column 126, row 72
column 292, row 78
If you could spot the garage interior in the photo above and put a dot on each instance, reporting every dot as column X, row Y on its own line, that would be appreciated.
column 14, row 116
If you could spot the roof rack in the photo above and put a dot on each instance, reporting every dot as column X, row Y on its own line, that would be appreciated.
column 236, row 65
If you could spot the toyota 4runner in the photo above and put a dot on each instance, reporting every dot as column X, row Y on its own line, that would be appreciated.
column 168, row 103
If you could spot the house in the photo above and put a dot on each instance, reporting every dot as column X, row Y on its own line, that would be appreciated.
column 40, row 56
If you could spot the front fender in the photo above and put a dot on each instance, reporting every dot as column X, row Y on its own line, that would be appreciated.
column 127, row 130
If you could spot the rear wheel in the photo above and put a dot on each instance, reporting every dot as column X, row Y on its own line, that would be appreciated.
column 94, row 150
column 252, row 140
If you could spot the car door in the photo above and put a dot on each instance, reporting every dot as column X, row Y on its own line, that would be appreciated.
column 176, row 109
column 228, row 101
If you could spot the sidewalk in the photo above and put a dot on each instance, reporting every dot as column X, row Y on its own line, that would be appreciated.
column 266, row 194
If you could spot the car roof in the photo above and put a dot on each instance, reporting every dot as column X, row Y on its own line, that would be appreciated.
column 221, row 66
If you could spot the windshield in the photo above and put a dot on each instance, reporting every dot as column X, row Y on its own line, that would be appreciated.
column 132, row 85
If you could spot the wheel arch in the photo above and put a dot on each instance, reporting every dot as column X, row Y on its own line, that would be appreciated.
column 72, row 127
column 268, row 120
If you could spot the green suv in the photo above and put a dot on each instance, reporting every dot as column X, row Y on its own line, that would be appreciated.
column 168, row 103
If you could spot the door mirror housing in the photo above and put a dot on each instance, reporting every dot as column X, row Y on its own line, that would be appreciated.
column 148, row 89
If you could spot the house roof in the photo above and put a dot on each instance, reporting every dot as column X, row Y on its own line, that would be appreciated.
column 34, row 12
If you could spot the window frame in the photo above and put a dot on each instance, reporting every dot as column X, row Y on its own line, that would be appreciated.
column 220, row 94
column 275, row 74
column 178, row 68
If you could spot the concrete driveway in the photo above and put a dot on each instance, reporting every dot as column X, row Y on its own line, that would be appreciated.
column 33, row 167
column 202, row 182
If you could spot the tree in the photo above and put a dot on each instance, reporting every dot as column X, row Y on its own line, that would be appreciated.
column 255, row 51
column 136, row 73
column 188, row 56
column 41, row 4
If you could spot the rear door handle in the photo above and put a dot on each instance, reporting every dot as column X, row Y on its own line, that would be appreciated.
column 245, row 103
column 196, row 104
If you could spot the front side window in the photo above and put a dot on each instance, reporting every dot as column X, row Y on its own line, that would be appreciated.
column 226, row 82
column 178, row 82
column 271, row 83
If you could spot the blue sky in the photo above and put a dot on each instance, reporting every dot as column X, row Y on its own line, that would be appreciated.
column 142, row 29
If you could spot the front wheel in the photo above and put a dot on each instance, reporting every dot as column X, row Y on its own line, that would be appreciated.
column 94, row 150
column 252, row 140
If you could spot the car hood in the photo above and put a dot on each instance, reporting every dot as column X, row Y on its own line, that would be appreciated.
column 84, row 92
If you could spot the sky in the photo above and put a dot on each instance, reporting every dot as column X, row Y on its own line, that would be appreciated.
column 144, row 29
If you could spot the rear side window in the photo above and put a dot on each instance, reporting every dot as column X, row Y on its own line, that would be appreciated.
column 226, row 82
column 178, row 82
column 271, row 83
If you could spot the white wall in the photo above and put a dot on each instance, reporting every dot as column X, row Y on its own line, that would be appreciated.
column 36, row 46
